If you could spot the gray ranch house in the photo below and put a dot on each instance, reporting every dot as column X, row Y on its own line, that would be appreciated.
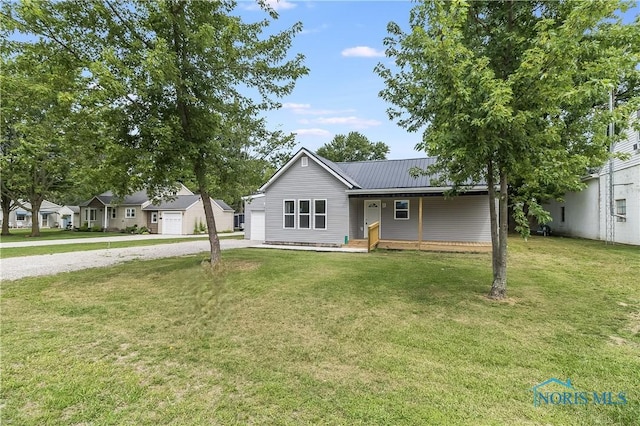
column 314, row 201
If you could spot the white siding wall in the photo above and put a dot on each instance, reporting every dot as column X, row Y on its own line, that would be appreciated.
column 581, row 213
column 627, row 187
column 308, row 183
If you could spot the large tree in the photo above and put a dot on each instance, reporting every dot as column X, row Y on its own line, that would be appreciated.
column 353, row 147
column 512, row 92
column 40, row 126
column 183, row 83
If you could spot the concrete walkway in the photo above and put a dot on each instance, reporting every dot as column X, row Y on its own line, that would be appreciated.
column 124, row 237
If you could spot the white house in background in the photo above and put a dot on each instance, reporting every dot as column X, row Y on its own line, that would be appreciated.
column 48, row 217
column 178, row 216
column 584, row 214
column 69, row 217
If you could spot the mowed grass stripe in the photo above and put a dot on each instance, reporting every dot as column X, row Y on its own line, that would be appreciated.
column 280, row 337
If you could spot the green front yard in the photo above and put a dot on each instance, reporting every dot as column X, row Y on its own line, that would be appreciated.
column 24, row 234
column 286, row 337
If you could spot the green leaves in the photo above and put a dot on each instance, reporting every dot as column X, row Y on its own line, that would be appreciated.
column 353, row 147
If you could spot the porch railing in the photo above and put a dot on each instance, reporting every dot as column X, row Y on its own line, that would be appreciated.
column 373, row 236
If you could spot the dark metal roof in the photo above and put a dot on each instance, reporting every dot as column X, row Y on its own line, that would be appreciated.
column 223, row 205
column 381, row 174
column 181, row 202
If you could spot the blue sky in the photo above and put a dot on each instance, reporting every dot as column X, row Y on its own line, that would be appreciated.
column 342, row 42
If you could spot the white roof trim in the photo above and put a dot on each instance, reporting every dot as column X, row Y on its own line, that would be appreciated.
column 251, row 197
column 430, row 189
column 303, row 151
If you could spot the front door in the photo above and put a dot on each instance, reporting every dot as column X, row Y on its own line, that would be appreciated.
column 371, row 213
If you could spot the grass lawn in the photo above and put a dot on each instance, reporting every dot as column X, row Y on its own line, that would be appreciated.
column 24, row 234
column 283, row 337
column 67, row 248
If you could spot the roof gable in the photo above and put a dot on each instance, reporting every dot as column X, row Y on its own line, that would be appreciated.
column 332, row 168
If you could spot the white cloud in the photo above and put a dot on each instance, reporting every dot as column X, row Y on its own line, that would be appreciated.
column 305, row 109
column 362, row 52
column 312, row 132
column 360, row 123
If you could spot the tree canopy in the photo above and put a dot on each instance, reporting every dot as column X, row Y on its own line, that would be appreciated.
column 512, row 92
column 182, row 85
column 353, row 147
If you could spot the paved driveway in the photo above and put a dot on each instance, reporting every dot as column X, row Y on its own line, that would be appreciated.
column 14, row 268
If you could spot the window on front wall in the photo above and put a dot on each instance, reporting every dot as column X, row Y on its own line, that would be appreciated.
column 289, row 216
column 621, row 210
column 304, row 214
column 562, row 214
column 401, row 209
column 154, row 217
column 130, row 213
column 113, row 212
column 21, row 216
column 319, row 214
column 90, row 214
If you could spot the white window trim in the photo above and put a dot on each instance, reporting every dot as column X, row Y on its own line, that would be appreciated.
column 621, row 217
column 304, row 214
column 285, row 214
column 154, row 215
column 128, row 213
column 396, row 210
column 325, row 214
column 304, row 161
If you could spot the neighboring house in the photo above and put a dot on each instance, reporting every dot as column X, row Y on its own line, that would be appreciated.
column 69, row 217
column 312, row 200
column 178, row 216
column 182, row 215
column 48, row 216
column 584, row 214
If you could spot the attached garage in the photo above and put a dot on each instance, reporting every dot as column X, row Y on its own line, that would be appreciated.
column 257, row 225
column 172, row 223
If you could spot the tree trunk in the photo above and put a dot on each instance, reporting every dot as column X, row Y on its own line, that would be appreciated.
column 214, row 241
column 499, row 286
column 493, row 217
column 6, row 209
column 35, row 216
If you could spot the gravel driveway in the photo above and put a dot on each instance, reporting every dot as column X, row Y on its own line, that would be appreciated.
column 14, row 268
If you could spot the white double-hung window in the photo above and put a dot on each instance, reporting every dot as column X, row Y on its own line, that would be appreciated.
column 289, row 217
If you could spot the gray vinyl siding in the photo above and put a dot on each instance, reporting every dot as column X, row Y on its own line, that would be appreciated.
column 257, row 203
column 356, row 218
column 462, row 218
column 307, row 183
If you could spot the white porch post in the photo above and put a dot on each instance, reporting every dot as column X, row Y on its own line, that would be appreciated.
column 106, row 217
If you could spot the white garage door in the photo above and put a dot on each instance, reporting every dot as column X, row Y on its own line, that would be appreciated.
column 257, row 225
column 172, row 223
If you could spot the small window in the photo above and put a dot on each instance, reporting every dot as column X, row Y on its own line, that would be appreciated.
column 90, row 214
column 562, row 214
column 319, row 214
column 304, row 161
column 401, row 209
column 621, row 210
column 304, row 214
column 21, row 216
column 113, row 212
column 289, row 219
column 154, row 217
column 130, row 213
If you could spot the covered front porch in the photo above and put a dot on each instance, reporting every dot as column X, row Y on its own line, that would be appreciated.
column 427, row 221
